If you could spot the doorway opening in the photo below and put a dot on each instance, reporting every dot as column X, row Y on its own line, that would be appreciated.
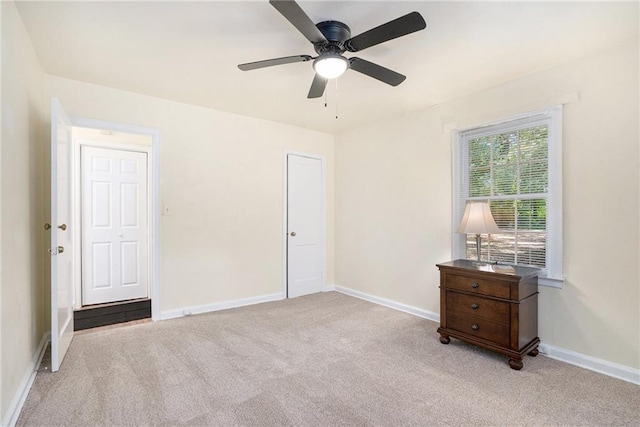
column 113, row 202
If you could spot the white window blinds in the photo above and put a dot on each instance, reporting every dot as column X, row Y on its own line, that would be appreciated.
column 513, row 165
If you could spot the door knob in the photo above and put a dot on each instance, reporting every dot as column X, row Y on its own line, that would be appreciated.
column 62, row 227
column 60, row 249
column 47, row 226
column 293, row 234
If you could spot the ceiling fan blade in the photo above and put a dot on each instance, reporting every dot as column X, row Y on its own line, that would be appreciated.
column 399, row 27
column 294, row 14
column 317, row 87
column 376, row 71
column 276, row 61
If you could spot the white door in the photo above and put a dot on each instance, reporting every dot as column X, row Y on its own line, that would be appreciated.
column 61, row 248
column 114, row 225
column 305, row 238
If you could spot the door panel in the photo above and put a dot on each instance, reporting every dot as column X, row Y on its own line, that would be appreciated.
column 101, row 204
column 130, row 262
column 102, row 265
column 61, row 240
column 129, row 205
column 305, row 244
column 115, row 255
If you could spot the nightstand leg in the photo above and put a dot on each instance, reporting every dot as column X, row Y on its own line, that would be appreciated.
column 444, row 339
column 516, row 364
column 534, row 352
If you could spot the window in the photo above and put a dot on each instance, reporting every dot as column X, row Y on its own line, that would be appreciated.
column 515, row 165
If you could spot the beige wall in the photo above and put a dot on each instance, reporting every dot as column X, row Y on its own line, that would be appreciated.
column 221, row 176
column 2, row 392
column 22, row 285
column 393, row 201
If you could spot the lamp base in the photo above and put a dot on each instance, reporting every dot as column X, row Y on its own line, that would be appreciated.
column 481, row 263
column 478, row 246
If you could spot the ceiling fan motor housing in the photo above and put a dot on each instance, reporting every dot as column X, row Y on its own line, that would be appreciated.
column 331, row 39
column 336, row 34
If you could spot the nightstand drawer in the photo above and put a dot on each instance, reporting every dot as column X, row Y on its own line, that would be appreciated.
column 497, row 333
column 494, row 288
column 477, row 306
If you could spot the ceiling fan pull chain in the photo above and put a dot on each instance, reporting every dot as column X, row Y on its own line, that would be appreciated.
column 337, row 99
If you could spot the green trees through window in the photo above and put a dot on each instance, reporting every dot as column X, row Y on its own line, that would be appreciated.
column 510, row 170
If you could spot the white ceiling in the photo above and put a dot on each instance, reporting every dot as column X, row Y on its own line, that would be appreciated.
column 189, row 51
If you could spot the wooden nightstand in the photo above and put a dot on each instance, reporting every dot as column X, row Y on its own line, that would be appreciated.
column 491, row 306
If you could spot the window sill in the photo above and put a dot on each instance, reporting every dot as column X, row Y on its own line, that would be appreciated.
column 551, row 282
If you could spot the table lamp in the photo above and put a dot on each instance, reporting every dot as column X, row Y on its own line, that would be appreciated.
column 477, row 220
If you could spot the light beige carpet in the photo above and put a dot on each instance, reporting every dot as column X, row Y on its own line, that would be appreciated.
column 324, row 359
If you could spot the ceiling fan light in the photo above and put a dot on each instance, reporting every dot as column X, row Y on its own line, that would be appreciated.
column 330, row 66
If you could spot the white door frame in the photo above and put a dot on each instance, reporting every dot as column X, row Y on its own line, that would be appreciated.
column 153, row 195
column 285, row 217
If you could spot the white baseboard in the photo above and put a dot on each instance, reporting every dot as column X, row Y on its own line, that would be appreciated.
column 389, row 303
column 328, row 288
column 198, row 309
column 602, row 366
column 11, row 417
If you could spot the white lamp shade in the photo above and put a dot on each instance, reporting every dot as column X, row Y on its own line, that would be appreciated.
column 330, row 66
column 477, row 219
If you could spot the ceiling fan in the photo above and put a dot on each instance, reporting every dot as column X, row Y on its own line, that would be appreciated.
column 331, row 39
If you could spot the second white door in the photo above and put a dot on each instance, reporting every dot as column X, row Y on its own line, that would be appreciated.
column 114, row 225
column 305, row 244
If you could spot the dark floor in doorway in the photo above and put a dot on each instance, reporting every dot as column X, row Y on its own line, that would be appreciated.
column 110, row 314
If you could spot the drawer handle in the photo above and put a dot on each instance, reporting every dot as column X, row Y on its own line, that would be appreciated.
column 474, row 285
column 475, row 306
column 475, row 327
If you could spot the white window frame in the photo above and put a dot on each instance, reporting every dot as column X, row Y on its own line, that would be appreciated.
column 552, row 274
